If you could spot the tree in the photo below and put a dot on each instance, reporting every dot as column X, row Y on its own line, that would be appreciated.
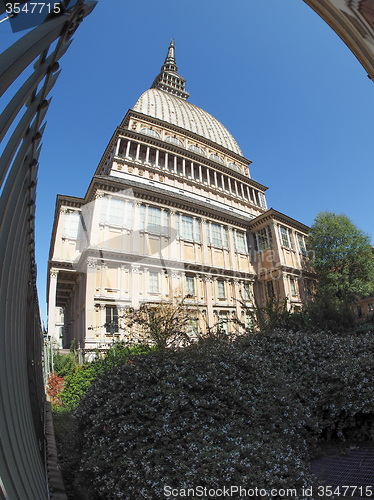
column 164, row 324
column 343, row 259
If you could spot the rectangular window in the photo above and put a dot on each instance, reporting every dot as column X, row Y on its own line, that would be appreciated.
column 153, row 282
column 270, row 290
column 216, row 235
column 221, row 289
column 286, row 237
column 190, row 285
column 262, row 200
column 293, row 287
column 154, row 220
column 197, row 230
column 142, row 217
column 223, row 321
column 71, row 225
column 187, row 227
column 116, row 211
column 111, row 324
column 239, row 238
column 263, row 239
column 302, row 245
column 224, row 237
column 247, row 292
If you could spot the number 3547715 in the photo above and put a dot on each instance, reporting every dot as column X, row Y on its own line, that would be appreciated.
column 33, row 8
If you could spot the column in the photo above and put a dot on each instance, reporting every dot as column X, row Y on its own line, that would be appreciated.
column 157, row 157
column 128, row 149
column 175, row 164
column 117, row 146
column 215, row 179
column 237, row 298
column 173, row 235
column 232, row 249
column 208, row 176
column 166, row 161
column 248, row 193
column 136, row 228
column 192, row 171
column 242, row 190
column 223, row 182
column 209, row 300
column 230, row 188
column 137, row 152
column 204, row 237
column 53, row 273
column 102, row 323
column 200, row 173
column 134, row 290
column 184, row 167
column 147, row 155
column 236, row 187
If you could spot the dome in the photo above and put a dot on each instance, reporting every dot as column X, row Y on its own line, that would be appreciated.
column 177, row 111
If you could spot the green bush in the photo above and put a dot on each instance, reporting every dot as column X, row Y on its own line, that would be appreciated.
column 78, row 381
column 217, row 414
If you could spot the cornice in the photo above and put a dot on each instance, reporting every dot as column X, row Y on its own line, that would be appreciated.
column 274, row 215
column 166, row 198
column 187, row 133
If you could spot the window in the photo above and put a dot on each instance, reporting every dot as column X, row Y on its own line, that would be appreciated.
column 116, row 212
column 154, row 219
column 71, row 225
column 216, row 158
column 221, row 289
column 270, row 290
column 150, row 132
column 187, row 227
column 247, row 292
column 196, row 149
column 216, row 235
column 293, row 287
column 153, row 282
column 263, row 239
column 223, row 321
column 302, row 244
column 234, row 166
column 174, row 140
column 157, row 220
column 261, row 199
column 190, row 285
column 239, row 239
column 111, row 324
column 286, row 237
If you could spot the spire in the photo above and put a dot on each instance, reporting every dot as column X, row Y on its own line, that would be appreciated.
column 169, row 80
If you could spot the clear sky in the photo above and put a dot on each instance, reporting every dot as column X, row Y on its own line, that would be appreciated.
column 291, row 93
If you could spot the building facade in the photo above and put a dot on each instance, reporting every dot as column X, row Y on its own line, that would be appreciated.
column 171, row 211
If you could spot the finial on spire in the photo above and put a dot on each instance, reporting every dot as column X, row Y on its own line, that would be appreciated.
column 169, row 80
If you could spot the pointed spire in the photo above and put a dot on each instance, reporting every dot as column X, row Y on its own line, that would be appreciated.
column 169, row 80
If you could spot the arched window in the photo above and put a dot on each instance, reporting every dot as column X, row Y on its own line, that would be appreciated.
column 216, row 158
column 234, row 166
column 174, row 140
column 196, row 149
column 150, row 132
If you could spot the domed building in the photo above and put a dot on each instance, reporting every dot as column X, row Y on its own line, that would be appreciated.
column 171, row 212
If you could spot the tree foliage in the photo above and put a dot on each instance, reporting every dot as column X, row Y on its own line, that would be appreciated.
column 343, row 259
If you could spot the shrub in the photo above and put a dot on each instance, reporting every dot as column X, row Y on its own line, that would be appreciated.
column 251, row 412
column 54, row 388
column 78, row 382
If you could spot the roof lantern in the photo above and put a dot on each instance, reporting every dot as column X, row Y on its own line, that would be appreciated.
column 169, row 80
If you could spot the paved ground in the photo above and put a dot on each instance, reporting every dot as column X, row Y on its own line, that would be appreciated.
column 353, row 467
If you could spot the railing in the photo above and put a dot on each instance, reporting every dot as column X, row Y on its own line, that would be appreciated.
column 23, row 457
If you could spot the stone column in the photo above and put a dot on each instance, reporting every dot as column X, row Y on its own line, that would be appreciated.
column 147, row 155
column 137, row 152
column 102, row 323
column 53, row 274
column 209, row 299
column 157, row 157
column 128, row 148
column 134, row 291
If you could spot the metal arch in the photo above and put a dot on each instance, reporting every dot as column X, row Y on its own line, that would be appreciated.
column 23, row 457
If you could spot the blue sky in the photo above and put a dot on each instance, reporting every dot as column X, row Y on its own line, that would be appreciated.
column 291, row 93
